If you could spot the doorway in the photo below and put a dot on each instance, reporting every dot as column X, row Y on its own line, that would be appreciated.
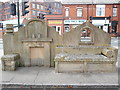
column 37, row 56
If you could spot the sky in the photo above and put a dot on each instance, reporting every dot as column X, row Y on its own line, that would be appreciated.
column 8, row 0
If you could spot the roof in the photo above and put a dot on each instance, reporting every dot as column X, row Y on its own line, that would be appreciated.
column 90, row 1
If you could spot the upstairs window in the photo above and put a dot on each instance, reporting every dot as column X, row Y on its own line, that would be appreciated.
column 33, row 5
column 67, row 12
column 42, row 7
column 38, row 6
column 34, row 12
column 100, row 10
column 79, row 12
column 114, row 11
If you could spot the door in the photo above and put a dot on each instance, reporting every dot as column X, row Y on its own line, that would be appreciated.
column 37, row 56
column 58, row 29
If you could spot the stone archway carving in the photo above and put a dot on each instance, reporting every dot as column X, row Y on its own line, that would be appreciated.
column 36, row 28
column 87, row 34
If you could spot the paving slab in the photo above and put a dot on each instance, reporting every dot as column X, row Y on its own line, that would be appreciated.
column 47, row 76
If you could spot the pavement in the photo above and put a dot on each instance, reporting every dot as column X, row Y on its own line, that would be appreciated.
column 47, row 76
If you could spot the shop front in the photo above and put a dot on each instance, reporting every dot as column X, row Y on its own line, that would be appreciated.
column 57, row 24
column 102, row 23
column 69, row 24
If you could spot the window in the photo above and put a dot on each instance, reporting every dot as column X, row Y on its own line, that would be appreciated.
column 8, row 16
column 58, row 29
column 59, row 11
column 86, row 35
column 100, row 10
column 67, row 12
column 66, row 28
column 114, row 11
column 0, row 6
column 33, row 5
column 38, row 13
column 38, row 6
column 55, row 4
column 33, row 12
column 42, row 7
column 79, row 12
column 7, row 5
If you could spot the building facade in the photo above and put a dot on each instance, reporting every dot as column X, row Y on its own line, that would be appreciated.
column 36, row 7
column 56, row 21
column 103, row 14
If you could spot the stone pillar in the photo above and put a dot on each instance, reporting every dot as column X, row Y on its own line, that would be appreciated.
column 8, row 39
column 9, row 28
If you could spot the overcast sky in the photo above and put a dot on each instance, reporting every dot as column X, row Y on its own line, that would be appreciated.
column 8, row 0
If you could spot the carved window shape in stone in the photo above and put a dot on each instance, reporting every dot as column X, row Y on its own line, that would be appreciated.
column 36, row 35
column 86, row 35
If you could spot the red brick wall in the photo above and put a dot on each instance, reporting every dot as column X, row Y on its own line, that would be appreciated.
column 90, row 10
column 118, row 18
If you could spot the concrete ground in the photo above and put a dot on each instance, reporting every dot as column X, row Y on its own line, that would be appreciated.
column 47, row 76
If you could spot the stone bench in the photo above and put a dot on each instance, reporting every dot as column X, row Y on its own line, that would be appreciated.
column 76, row 61
column 10, row 61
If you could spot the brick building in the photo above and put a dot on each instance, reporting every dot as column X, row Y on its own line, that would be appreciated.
column 56, row 21
column 36, row 7
column 102, row 13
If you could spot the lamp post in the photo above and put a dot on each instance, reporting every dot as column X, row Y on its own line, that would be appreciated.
column 18, row 14
column 1, row 26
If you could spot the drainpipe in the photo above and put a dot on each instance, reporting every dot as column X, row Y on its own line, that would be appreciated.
column 87, row 13
column 92, row 8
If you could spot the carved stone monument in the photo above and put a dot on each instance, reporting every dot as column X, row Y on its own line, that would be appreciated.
column 85, row 48
column 35, row 43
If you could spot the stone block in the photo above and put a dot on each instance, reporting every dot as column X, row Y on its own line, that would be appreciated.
column 9, row 62
column 101, row 67
column 68, row 61
column 69, row 67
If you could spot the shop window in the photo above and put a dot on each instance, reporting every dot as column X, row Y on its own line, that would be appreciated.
column 67, row 12
column 58, row 29
column 67, row 28
column 86, row 35
column 114, row 11
column 100, row 27
column 79, row 12
column 100, row 10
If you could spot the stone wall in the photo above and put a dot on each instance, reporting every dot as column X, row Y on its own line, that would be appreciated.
column 99, row 37
column 36, row 34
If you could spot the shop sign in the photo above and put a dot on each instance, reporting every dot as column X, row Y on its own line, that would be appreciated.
column 55, row 22
column 74, row 21
column 100, row 22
